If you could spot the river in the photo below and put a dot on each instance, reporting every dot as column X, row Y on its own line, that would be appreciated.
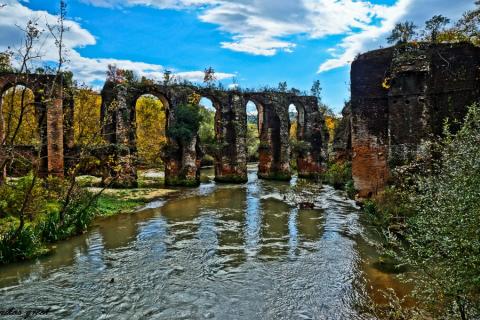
column 216, row 252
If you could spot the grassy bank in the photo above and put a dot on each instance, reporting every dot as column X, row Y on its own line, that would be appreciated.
column 35, row 212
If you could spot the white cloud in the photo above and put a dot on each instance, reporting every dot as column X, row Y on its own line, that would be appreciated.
column 85, row 69
column 265, row 27
column 372, row 37
column 198, row 76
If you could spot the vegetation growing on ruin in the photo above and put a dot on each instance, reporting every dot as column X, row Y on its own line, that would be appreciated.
column 430, row 221
column 439, row 29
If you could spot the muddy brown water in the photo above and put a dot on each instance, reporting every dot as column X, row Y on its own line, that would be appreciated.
column 217, row 252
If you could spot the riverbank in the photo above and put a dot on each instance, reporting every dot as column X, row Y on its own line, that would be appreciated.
column 46, row 221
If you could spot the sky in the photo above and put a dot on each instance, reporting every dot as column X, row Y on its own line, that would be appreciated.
column 250, row 43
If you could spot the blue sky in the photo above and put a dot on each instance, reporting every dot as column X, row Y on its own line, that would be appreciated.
column 257, row 42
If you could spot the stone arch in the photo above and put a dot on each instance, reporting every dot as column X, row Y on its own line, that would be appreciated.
column 310, row 149
column 274, row 144
column 49, row 116
column 230, row 135
column 150, row 127
column 182, row 163
column 300, row 118
column 20, row 127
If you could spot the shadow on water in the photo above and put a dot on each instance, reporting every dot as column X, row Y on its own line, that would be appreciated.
column 220, row 251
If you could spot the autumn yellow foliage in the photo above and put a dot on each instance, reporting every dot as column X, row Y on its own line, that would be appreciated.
column 151, row 123
column 293, row 130
column 18, row 107
column 87, row 126
column 331, row 123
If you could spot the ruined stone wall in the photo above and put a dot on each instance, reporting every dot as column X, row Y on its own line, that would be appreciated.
column 400, row 99
column 183, row 162
column 231, row 135
column 50, row 119
column 370, row 120
column 342, row 142
column 274, row 150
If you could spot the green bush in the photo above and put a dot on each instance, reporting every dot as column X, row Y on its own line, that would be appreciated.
column 17, row 245
column 440, row 240
column 47, row 215
column 300, row 147
column 186, row 124
column 350, row 189
column 338, row 175
column 12, row 195
column 77, row 216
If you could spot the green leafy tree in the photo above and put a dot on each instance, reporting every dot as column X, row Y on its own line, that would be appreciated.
column 316, row 90
column 206, row 131
column 186, row 125
column 402, row 33
column 167, row 77
column 469, row 25
column 209, row 76
column 436, row 25
column 282, row 86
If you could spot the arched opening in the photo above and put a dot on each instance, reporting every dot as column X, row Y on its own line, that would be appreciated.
column 20, row 129
column 207, row 130
column 296, row 113
column 87, row 128
column 254, row 128
column 150, row 132
column 83, row 129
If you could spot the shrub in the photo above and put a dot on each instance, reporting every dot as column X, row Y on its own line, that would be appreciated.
column 300, row 147
column 17, row 245
column 441, row 236
column 350, row 189
column 45, row 218
column 12, row 195
column 338, row 174
column 187, row 123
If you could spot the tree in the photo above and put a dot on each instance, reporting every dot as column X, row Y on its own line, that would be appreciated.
column 469, row 24
column 402, row 33
column 86, row 122
column 436, row 25
column 253, row 141
column 5, row 61
column 316, row 90
column 209, row 76
column 206, row 131
column 186, row 125
column 150, row 125
column 115, row 74
column 167, row 77
column 282, row 86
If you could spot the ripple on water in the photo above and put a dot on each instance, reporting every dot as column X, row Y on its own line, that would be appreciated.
column 221, row 252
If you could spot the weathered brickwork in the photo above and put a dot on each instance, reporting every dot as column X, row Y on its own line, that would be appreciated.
column 182, row 162
column 400, row 99
column 48, row 96
column 54, row 109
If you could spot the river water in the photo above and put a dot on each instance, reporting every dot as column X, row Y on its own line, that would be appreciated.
column 216, row 252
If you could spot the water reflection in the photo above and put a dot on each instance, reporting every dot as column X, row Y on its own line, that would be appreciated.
column 222, row 251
